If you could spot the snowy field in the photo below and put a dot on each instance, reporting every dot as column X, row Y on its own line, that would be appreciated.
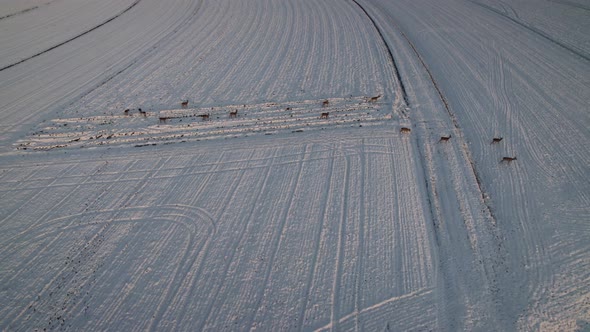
column 338, row 165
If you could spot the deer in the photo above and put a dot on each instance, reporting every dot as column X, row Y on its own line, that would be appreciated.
column 142, row 112
column 126, row 112
column 445, row 138
column 184, row 104
column 325, row 115
column 405, row 130
column 374, row 99
column 233, row 114
column 205, row 117
column 496, row 140
column 325, row 103
column 508, row 159
column 163, row 119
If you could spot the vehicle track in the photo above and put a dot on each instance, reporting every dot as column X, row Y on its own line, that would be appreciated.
column 71, row 39
column 398, row 78
column 572, row 4
column 239, row 241
column 453, row 117
column 318, row 239
column 340, row 249
column 23, row 11
column 361, row 246
column 452, row 295
column 534, row 30
column 279, row 236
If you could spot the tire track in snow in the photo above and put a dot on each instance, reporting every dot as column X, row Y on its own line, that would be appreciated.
column 141, row 56
column 318, row 241
column 15, row 189
column 71, row 192
column 534, row 30
column 358, row 303
column 507, row 7
column 139, row 52
column 174, row 302
column 23, row 11
column 229, row 197
column 59, row 227
column 101, row 238
column 40, row 192
column 72, row 38
column 243, row 231
column 455, row 122
column 398, row 78
column 534, row 250
column 184, row 267
column 113, row 312
column 273, row 60
column 452, row 294
column 174, row 214
column 94, row 244
column 279, row 235
column 335, row 312
column 418, row 293
column 571, row 4
column 433, row 202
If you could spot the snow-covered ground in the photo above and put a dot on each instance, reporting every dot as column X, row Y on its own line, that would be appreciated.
column 312, row 207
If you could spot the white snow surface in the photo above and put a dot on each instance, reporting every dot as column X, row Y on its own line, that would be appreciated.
column 305, row 186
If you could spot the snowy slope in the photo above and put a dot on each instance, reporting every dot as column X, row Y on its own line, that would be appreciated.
column 311, row 208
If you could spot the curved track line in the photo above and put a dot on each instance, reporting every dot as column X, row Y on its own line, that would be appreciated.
column 190, row 214
column 279, row 235
column 414, row 294
column 334, row 312
column 389, row 52
column 240, row 239
column 318, row 240
column 19, row 12
column 24, row 11
column 71, row 39
column 534, row 30
column 205, row 251
column 360, row 263
column 572, row 4
column 455, row 124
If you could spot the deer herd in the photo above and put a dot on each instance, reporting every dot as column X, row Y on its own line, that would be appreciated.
column 446, row 138
column 324, row 115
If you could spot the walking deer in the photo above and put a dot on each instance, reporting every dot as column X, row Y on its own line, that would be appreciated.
column 374, row 99
column 445, row 138
column 325, row 115
column 184, row 104
column 405, row 130
column 325, row 103
column 163, row 119
column 126, row 112
column 142, row 112
column 233, row 114
column 496, row 140
column 205, row 117
column 508, row 159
